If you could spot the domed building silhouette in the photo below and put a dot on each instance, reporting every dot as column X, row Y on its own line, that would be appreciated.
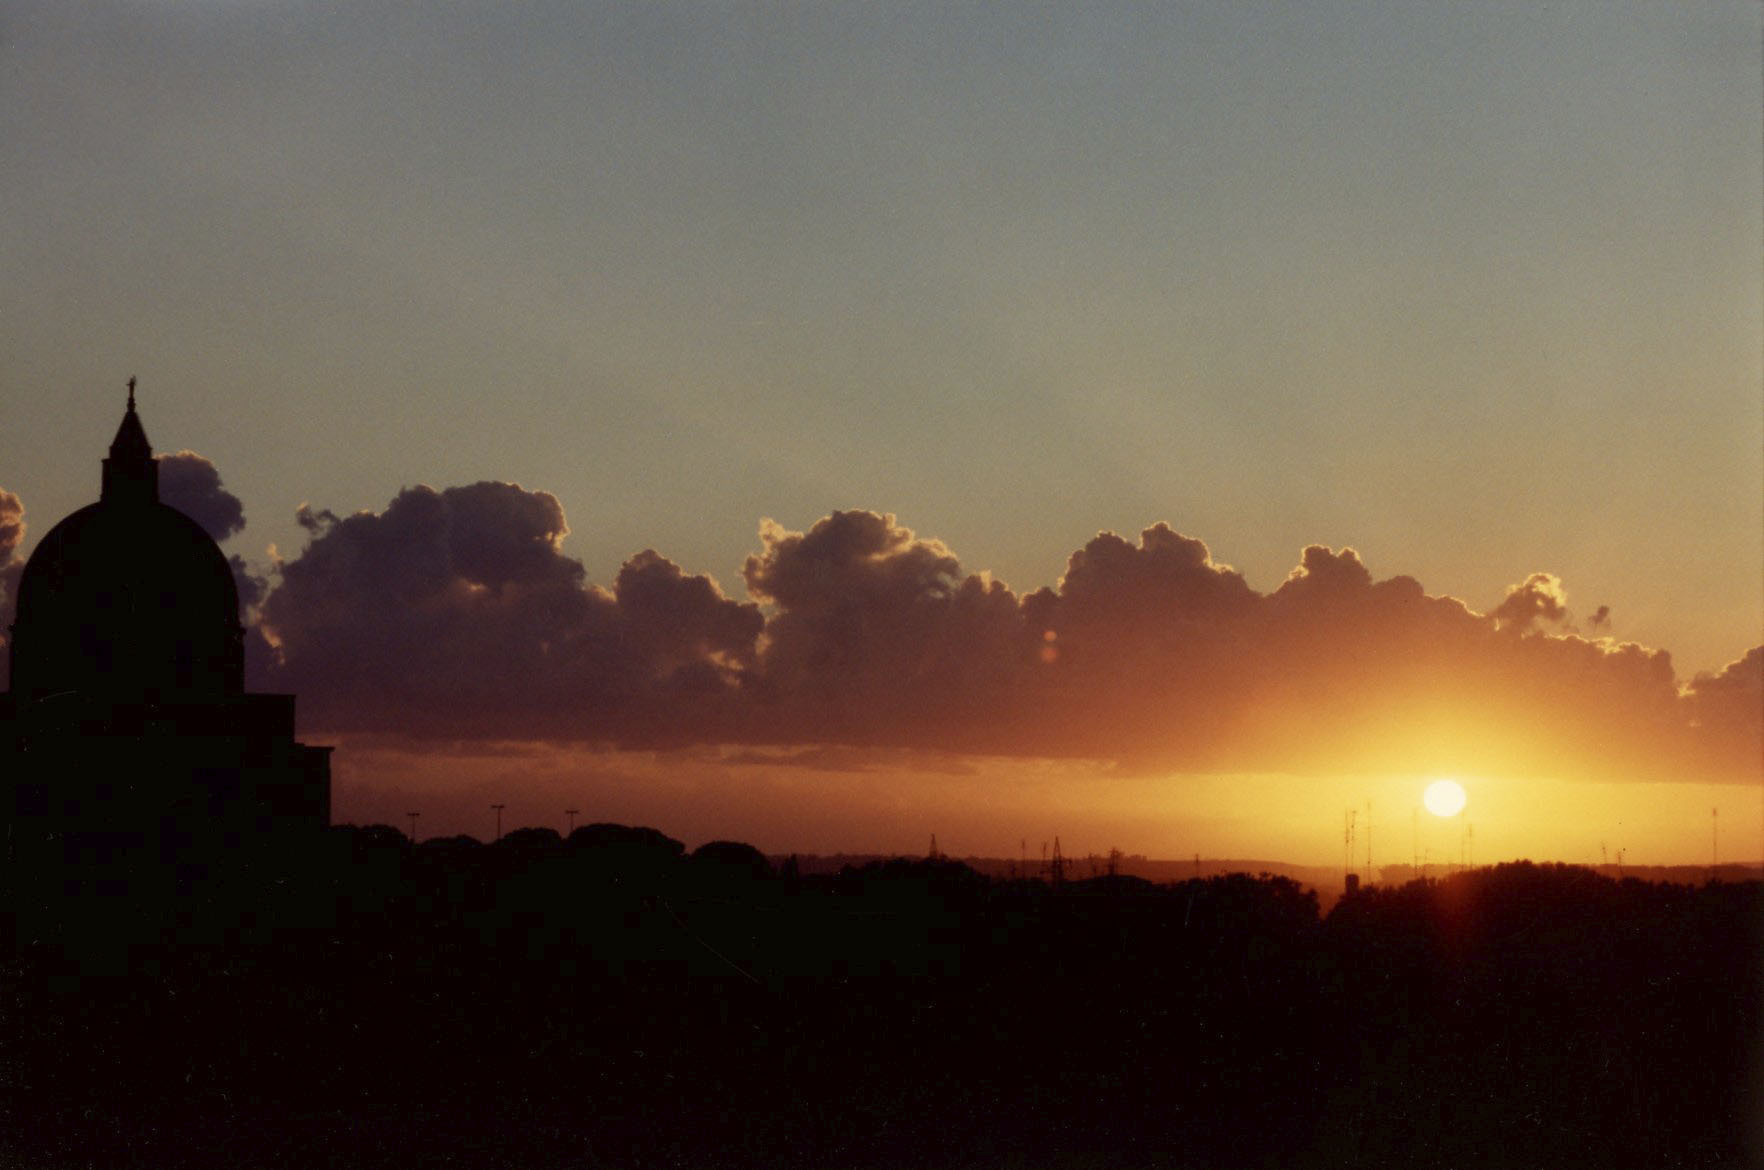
column 139, row 770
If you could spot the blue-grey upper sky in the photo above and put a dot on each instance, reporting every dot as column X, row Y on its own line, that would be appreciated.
column 1473, row 288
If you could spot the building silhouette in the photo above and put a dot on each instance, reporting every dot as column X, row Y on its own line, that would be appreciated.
column 141, row 778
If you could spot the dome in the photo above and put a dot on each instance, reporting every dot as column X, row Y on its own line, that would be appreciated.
column 128, row 599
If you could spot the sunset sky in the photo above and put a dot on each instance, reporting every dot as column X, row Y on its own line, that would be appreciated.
column 938, row 418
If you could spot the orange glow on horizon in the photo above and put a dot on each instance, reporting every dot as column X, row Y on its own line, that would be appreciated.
column 853, row 800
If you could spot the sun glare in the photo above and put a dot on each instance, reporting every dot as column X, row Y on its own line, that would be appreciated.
column 1444, row 798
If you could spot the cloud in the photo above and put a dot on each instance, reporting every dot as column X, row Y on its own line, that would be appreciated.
column 455, row 613
column 12, row 533
column 1153, row 653
column 12, row 526
column 192, row 485
column 848, row 558
column 1167, row 579
column 683, row 626
column 314, row 522
column 1539, row 599
column 252, row 586
column 876, row 632
column 1727, row 710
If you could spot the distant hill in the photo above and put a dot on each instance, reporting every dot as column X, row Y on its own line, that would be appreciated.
column 1327, row 880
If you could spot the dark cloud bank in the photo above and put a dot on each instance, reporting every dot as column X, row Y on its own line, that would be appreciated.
column 454, row 614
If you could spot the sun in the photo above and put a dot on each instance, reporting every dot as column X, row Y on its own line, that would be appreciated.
column 1444, row 798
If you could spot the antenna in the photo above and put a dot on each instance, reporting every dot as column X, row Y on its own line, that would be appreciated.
column 1347, row 837
column 412, row 815
column 571, row 813
column 499, row 808
column 1416, row 864
column 933, row 854
column 1368, row 840
column 1059, row 863
column 1714, row 834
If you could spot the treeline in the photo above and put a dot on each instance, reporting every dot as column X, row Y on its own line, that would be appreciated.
column 613, row 1000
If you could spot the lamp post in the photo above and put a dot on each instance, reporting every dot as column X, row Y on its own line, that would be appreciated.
column 498, row 808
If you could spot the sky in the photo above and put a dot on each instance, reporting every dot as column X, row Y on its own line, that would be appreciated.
column 825, row 342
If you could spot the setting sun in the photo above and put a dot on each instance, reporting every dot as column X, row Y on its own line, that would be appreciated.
column 1444, row 798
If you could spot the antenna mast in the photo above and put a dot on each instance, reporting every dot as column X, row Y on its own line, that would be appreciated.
column 1368, row 840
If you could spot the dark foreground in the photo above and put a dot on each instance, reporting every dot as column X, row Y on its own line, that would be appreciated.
column 609, row 1002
